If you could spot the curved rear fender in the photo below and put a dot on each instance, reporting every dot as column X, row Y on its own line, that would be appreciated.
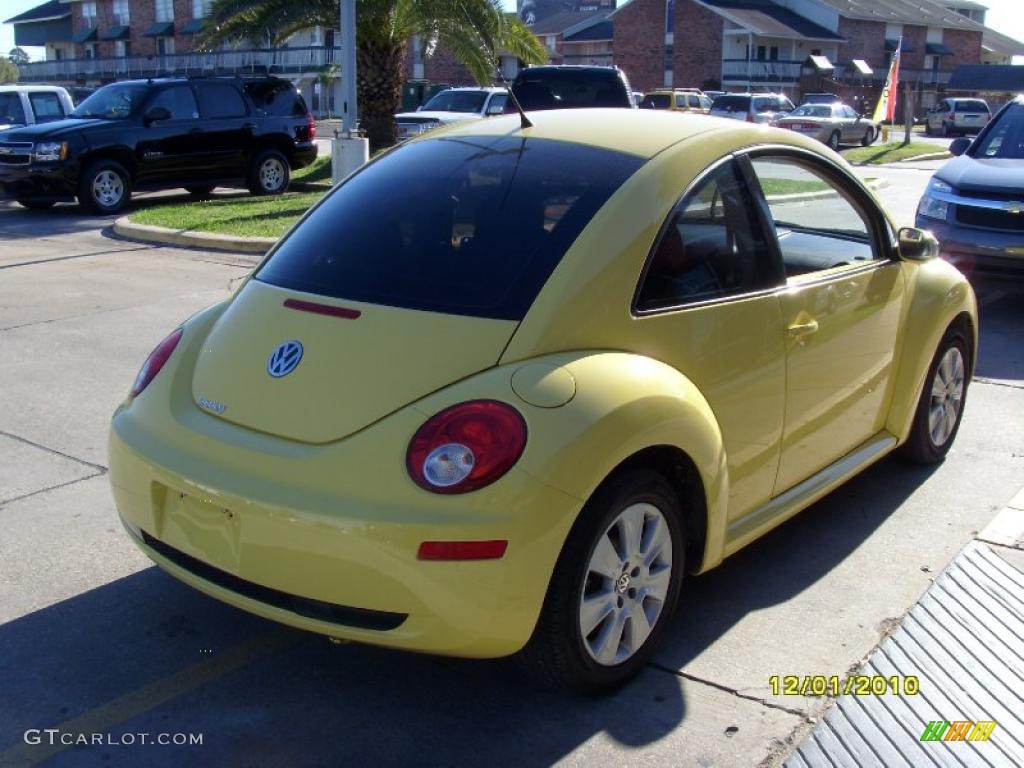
column 623, row 404
column 939, row 295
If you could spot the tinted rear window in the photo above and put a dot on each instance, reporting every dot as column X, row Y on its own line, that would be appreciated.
column 655, row 101
column 731, row 103
column 570, row 89
column 971, row 105
column 276, row 98
column 465, row 226
column 10, row 109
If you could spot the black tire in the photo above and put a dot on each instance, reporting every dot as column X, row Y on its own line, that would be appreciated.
column 37, row 205
column 928, row 128
column 202, row 193
column 833, row 141
column 869, row 138
column 269, row 173
column 947, row 130
column 557, row 654
column 104, row 187
column 923, row 446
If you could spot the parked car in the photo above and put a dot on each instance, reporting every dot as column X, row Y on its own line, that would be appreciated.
column 752, row 107
column 570, row 87
column 450, row 106
column 975, row 203
column 819, row 98
column 832, row 124
column 676, row 100
column 22, row 105
column 636, row 97
column 957, row 116
column 499, row 391
column 160, row 134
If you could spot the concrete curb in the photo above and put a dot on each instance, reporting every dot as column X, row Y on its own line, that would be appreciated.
column 1007, row 527
column 187, row 238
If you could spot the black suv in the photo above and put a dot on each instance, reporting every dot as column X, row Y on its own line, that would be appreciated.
column 570, row 86
column 157, row 134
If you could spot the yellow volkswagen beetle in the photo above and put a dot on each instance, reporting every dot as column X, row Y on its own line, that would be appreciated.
column 503, row 387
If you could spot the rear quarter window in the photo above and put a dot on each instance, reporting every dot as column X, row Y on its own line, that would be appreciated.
column 466, row 226
column 276, row 99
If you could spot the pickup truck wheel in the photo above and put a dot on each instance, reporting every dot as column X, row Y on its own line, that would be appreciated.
column 200, row 192
column 36, row 205
column 269, row 174
column 105, row 187
column 614, row 587
column 941, row 406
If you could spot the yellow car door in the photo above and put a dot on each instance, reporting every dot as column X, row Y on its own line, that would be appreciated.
column 841, row 310
column 708, row 305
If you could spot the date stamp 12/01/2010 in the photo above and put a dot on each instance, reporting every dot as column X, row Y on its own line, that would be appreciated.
column 857, row 685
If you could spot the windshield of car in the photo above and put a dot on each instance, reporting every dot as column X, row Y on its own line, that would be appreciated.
column 970, row 105
column 731, row 104
column 812, row 110
column 655, row 101
column 113, row 102
column 465, row 226
column 1005, row 137
column 570, row 89
column 11, row 112
column 457, row 101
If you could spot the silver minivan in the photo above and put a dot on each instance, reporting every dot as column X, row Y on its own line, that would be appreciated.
column 957, row 116
column 22, row 105
column 752, row 107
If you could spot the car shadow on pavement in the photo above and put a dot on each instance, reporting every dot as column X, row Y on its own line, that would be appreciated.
column 146, row 654
column 1000, row 352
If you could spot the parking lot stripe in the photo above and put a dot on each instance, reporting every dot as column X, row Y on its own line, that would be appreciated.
column 134, row 703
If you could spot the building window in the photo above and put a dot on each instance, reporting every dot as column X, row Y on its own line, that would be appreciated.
column 58, row 53
column 164, row 45
column 89, row 13
column 762, row 53
column 773, row 53
column 201, row 8
column 122, row 48
column 164, row 10
column 90, row 50
column 122, row 15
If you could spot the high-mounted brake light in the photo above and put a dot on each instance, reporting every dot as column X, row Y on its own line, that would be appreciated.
column 466, row 447
column 155, row 362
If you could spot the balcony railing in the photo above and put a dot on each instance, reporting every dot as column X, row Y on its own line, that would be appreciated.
column 760, row 71
column 281, row 61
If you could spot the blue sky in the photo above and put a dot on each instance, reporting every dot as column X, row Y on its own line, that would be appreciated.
column 1003, row 15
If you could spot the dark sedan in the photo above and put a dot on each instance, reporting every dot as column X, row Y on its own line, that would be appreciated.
column 974, row 204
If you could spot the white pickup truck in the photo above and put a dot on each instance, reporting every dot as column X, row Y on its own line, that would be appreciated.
column 22, row 105
column 450, row 106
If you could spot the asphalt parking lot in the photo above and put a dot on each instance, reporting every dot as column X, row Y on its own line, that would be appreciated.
column 95, row 640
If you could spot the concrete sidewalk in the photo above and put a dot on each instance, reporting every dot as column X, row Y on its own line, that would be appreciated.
column 964, row 642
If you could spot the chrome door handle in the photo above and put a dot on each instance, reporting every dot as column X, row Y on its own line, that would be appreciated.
column 803, row 329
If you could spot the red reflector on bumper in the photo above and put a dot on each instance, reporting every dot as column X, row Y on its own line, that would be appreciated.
column 462, row 550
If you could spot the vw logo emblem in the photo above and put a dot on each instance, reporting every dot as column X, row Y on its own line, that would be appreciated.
column 284, row 359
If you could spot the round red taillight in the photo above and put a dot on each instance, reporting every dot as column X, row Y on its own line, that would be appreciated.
column 155, row 362
column 466, row 447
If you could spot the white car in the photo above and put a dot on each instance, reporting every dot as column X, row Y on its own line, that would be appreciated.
column 450, row 106
column 29, row 104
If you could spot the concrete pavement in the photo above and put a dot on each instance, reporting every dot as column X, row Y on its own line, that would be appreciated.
column 95, row 639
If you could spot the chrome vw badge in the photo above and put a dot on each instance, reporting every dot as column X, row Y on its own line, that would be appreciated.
column 284, row 359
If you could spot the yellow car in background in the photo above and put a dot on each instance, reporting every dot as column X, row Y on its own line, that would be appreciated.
column 503, row 387
column 678, row 100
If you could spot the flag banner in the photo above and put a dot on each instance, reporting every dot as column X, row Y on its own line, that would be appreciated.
column 886, row 107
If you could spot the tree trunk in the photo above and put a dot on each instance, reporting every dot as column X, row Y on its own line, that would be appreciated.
column 380, row 71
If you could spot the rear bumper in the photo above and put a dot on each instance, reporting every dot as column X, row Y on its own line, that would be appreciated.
column 985, row 253
column 37, row 183
column 342, row 564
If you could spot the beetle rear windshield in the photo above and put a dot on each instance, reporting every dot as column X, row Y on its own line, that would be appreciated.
column 464, row 226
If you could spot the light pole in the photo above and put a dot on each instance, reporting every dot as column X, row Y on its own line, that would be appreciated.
column 348, row 151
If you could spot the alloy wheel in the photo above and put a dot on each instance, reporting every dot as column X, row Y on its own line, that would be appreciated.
column 272, row 174
column 946, row 397
column 108, row 189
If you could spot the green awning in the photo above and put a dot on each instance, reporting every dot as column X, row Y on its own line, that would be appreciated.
column 161, row 29
column 116, row 33
column 192, row 27
column 85, row 36
column 937, row 49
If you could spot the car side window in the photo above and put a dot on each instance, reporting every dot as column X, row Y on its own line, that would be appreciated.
column 820, row 224
column 46, row 106
column 217, row 100
column 711, row 247
column 179, row 101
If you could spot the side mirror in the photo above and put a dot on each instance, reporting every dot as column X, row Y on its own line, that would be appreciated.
column 918, row 244
column 156, row 114
column 958, row 146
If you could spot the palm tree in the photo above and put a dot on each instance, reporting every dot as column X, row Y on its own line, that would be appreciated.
column 471, row 30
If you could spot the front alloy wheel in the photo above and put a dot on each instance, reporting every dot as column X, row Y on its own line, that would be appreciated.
column 105, row 187
column 947, row 396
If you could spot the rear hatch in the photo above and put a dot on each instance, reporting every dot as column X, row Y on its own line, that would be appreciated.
column 354, row 367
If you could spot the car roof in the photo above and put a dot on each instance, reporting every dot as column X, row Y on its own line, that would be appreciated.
column 487, row 88
column 643, row 132
column 21, row 87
